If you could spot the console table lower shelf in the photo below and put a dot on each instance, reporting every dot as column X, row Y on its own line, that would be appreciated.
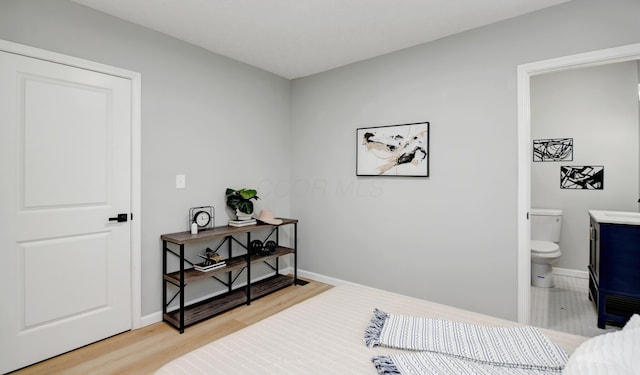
column 227, row 301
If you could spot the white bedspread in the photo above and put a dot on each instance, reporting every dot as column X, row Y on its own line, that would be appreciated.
column 322, row 335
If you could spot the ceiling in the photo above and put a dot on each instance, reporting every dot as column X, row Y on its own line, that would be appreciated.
column 296, row 38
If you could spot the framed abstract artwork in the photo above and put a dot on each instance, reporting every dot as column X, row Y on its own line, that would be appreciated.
column 582, row 177
column 393, row 150
column 558, row 149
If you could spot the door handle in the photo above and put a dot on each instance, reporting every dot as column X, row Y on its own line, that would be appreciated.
column 121, row 218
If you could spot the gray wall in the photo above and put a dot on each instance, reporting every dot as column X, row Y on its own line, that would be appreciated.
column 598, row 108
column 193, row 103
column 451, row 237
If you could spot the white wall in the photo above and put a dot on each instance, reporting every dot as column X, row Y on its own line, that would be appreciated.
column 451, row 237
column 598, row 108
column 220, row 122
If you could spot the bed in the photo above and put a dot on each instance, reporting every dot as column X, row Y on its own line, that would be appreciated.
column 324, row 335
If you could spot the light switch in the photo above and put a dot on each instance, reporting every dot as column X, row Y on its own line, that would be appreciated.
column 181, row 181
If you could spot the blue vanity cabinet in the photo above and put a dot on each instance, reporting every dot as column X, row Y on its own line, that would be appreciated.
column 614, row 271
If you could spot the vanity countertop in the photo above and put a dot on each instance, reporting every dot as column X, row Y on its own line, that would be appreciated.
column 615, row 217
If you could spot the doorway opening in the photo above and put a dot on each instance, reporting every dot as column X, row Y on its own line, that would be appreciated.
column 525, row 72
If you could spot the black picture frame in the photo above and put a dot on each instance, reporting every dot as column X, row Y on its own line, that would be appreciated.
column 393, row 150
column 553, row 149
column 588, row 177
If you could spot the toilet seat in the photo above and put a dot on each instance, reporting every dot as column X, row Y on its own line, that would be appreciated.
column 543, row 246
column 544, row 250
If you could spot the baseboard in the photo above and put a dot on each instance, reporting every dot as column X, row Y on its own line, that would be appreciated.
column 322, row 278
column 317, row 277
column 571, row 273
column 151, row 319
column 157, row 316
column 330, row 280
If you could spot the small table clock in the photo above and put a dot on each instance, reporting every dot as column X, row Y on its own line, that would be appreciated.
column 204, row 217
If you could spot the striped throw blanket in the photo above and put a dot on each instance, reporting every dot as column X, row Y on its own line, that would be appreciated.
column 447, row 347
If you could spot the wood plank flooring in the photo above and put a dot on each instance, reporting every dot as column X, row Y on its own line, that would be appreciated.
column 145, row 350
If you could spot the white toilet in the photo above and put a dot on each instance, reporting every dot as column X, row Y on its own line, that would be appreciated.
column 545, row 235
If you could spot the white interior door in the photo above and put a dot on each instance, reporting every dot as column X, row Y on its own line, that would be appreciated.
column 65, row 169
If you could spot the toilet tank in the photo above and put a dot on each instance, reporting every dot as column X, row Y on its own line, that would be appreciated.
column 546, row 224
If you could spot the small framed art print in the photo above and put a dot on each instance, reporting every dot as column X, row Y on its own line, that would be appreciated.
column 582, row 177
column 557, row 149
column 393, row 150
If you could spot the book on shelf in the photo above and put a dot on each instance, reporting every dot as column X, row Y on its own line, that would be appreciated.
column 202, row 267
column 209, row 263
column 242, row 223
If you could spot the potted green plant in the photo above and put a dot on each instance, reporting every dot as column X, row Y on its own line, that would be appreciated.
column 240, row 201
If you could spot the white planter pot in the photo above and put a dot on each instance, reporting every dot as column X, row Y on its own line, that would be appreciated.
column 243, row 216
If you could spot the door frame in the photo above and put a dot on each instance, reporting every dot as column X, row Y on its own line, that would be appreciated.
column 135, row 78
column 525, row 72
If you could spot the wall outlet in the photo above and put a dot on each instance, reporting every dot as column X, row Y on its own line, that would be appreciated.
column 181, row 181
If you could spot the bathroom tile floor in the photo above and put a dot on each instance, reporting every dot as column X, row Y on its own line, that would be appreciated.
column 566, row 307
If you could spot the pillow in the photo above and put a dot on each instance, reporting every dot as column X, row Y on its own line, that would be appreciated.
column 614, row 353
column 633, row 323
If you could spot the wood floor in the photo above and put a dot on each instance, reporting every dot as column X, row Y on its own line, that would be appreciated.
column 145, row 350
